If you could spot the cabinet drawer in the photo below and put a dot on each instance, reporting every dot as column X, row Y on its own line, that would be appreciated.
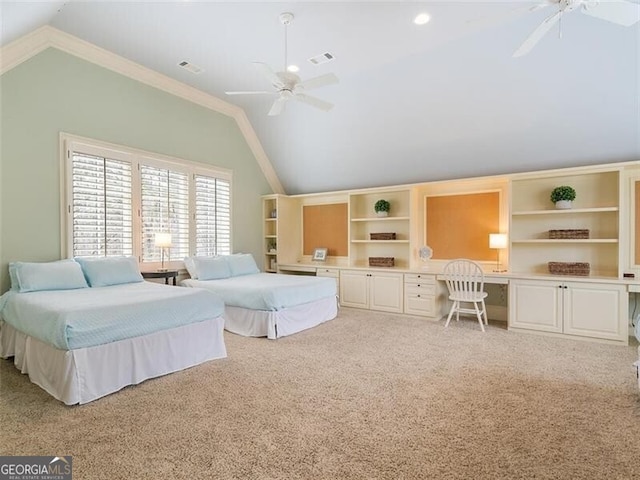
column 419, row 289
column 419, row 278
column 420, row 305
column 328, row 272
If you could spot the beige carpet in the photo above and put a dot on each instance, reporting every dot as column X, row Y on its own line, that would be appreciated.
column 366, row 396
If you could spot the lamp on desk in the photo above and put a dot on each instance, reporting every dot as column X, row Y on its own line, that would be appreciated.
column 498, row 241
column 162, row 241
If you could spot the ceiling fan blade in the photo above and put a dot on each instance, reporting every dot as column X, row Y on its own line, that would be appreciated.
column 537, row 34
column 251, row 93
column 314, row 102
column 278, row 106
column 316, row 82
column 618, row 12
column 269, row 74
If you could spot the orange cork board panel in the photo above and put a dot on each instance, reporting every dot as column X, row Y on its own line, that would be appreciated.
column 325, row 226
column 458, row 226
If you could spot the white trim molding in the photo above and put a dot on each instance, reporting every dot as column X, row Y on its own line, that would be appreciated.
column 24, row 48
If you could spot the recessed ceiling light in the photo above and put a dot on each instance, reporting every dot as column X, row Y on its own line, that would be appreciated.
column 293, row 68
column 422, row 18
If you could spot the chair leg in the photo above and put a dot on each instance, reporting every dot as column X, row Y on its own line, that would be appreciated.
column 484, row 311
column 453, row 307
column 478, row 314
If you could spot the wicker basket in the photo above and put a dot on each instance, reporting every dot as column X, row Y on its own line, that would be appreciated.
column 381, row 261
column 568, row 234
column 383, row 236
column 570, row 268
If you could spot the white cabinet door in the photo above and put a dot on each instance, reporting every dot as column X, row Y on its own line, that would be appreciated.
column 372, row 290
column 535, row 305
column 354, row 288
column 573, row 308
column 595, row 310
column 385, row 291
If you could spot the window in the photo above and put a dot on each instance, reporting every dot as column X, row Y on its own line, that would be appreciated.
column 117, row 199
column 212, row 216
column 101, row 199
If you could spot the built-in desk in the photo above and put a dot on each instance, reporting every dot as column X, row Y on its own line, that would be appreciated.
column 580, row 307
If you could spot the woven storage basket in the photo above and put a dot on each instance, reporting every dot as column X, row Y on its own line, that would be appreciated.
column 383, row 236
column 381, row 261
column 568, row 234
column 570, row 268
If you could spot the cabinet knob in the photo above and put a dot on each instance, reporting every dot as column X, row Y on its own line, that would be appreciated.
column 418, row 284
column 418, row 295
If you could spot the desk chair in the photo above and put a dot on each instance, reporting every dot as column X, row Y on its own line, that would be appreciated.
column 465, row 281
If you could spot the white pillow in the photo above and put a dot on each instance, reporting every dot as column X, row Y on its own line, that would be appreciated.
column 105, row 271
column 242, row 264
column 212, row 268
column 34, row 277
column 190, row 265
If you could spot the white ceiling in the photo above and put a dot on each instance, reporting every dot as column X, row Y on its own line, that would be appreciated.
column 441, row 101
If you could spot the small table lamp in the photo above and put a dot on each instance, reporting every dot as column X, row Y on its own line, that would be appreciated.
column 498, row 241
column 162, row 240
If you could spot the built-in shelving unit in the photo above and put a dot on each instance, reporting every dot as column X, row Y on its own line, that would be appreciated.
column 270, row 233
column 595, row 208
column 363, row 221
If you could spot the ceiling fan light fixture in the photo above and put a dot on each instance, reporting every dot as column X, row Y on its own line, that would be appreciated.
column 293, row 68
column 422, row 18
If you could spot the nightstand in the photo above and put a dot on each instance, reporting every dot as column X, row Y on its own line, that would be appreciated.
column 166, row 275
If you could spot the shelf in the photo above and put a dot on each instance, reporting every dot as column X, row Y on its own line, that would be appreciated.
column 378, row 219
column 270, row 219
column 379, row 241
column 568, row 240
column 270, row 236
column 568, row 211
column 271, row 253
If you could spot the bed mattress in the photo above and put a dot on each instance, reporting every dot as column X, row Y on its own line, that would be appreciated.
column 268, row 291
column 86, row 317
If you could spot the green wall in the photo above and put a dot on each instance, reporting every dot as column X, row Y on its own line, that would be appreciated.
column 56, row 92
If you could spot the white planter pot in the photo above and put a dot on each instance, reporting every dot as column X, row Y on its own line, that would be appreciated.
column 564, row 204
column 382, row 214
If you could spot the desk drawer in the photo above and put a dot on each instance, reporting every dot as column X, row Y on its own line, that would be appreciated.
column 328, row 272
column 419, row 289
column 419, row 278
column 423, row 305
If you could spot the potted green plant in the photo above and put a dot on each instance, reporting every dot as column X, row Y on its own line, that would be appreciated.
column 562, row 196
column 382, row 208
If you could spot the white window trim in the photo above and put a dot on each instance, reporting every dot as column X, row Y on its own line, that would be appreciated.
column 69, row 143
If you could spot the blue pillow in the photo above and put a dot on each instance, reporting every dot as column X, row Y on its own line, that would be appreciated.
column 105, row 271
column 34, row 277
column 242, row 264
column 211, row 268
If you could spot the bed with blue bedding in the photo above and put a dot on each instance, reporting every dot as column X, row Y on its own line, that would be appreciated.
column 264, row 304
column 81, row 340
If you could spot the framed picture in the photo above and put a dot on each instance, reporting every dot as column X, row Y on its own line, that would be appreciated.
column 319, row 254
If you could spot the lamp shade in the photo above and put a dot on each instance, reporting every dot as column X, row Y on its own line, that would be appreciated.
column 162, row 240
column 497, row 240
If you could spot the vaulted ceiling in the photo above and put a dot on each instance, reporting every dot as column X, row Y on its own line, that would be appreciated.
column 413, row 103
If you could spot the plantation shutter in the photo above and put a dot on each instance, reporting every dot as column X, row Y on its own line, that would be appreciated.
column 164, row 208
column 101, row 206
column 212, row 216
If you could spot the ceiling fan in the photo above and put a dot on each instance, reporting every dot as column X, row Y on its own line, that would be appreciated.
column 287, row 84
column 620, row 12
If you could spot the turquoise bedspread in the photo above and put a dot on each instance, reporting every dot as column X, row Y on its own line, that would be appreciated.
column 268, row 291
column 71, row 319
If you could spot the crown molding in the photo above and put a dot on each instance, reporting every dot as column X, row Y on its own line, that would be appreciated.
column 22, row 49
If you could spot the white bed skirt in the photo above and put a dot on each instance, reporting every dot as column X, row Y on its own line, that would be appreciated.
column 637, row 364
column 280, row 323
column 86, row 374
